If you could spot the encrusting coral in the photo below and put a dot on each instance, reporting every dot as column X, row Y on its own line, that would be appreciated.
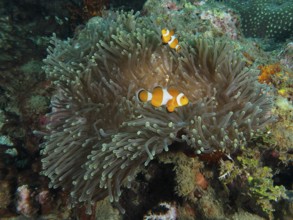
column 98, row 134
column 265, row 18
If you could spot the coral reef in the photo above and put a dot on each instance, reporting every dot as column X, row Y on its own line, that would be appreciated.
column 246, row 216
column 98, row 135
column 99, row 140
column 209, row 20
column 210, row 207
column 30, row 202
column 286, row 56
column 224, row 22
column 265, row 18
column 5, row 196
column 24, row 202
column 104, row 210
column 247, row 170
column 24, row 98
column 189, row 179
column 9, row 39
column 266, row 72
column 281, row 134
column 164, row 210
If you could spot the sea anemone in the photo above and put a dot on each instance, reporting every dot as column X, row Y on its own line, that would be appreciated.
column 98, row 134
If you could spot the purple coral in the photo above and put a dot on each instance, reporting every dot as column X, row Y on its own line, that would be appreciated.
column 24, row 204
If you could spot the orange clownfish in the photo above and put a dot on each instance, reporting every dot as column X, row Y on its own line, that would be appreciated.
column 168, row 37
column 170, row 97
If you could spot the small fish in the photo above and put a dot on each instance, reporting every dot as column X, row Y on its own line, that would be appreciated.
column 168, row 37
column 170, row 97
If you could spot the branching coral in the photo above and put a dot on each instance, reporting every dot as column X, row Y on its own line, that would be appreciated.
column 98, row 134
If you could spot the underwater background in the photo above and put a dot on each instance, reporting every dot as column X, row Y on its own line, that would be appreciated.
column 76, row 143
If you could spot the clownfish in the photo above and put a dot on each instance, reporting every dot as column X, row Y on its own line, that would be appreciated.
column 168, row 37
column 170, row 97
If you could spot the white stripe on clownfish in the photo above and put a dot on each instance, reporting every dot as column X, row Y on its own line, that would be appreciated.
column 167, row 33
column 166, row 96
column 178, row 98
column 173, row 43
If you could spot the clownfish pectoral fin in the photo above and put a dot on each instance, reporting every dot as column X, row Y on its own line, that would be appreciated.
column 170, row 108
column 171, row 105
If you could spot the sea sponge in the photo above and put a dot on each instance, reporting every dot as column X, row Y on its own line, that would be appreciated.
column 266, row 72
column 98, row 134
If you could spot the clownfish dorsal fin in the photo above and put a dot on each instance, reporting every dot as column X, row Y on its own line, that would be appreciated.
column 157, row 90
column 174, row 92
